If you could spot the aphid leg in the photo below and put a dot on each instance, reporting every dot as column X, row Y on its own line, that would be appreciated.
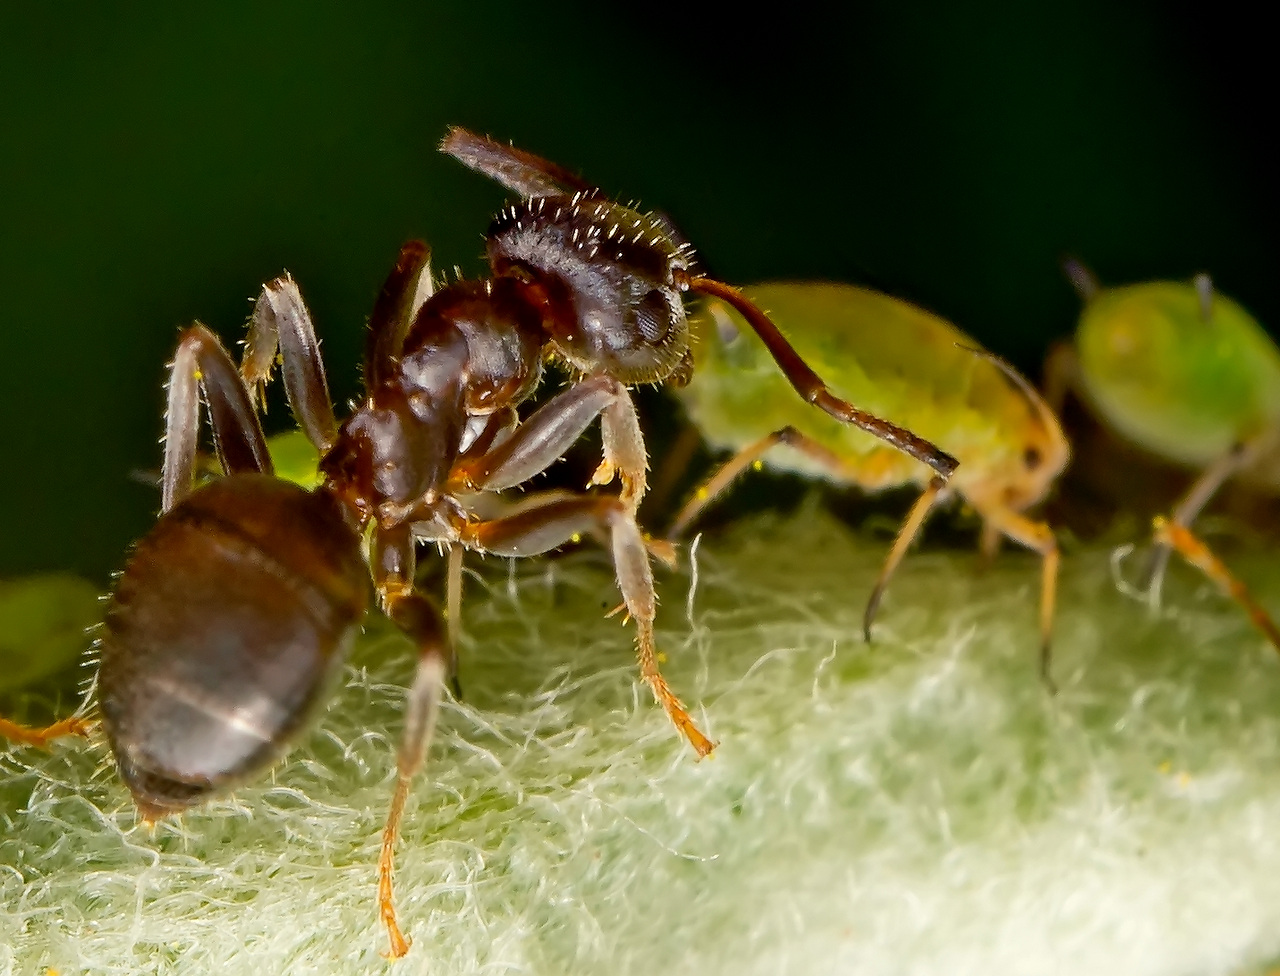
column 1061, row 375
column 906, row 535
column 551, row 429
column 1200, row 494
column 41, row 737
column 1194, row 551
column 519, row 171
column 453, row 614
column 280, row 320
column 675, row 462
column 725, row 475
column 812, row 387
column 1040, row 538
column 542, row 524
column 405, row 291
column 202, row 362
column 417, row 617
column 988, row 545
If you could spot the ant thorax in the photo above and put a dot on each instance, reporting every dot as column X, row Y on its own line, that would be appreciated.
column 615, row 268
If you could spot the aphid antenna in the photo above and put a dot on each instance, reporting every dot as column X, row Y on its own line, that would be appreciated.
column 1038, row 405
column 1204, row 291
column 1084, row 281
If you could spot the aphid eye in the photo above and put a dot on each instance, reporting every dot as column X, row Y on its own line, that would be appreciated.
column 653, row 317
column 1031, row 458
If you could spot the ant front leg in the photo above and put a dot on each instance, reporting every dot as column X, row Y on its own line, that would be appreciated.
column 543, row 439
column 542, row 524
column 393, row 565
column 202, row 362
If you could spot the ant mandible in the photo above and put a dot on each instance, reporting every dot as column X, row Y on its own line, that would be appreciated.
column 234, row 611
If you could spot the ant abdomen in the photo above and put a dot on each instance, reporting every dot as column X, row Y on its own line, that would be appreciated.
column 222, row 635
column 616, row 268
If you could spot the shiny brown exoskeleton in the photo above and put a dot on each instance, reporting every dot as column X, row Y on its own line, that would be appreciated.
column 233, row 613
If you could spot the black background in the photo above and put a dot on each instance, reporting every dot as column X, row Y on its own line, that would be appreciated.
column 157, row 165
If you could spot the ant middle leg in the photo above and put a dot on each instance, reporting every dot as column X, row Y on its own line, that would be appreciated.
column 540, row 441
column 542, row 524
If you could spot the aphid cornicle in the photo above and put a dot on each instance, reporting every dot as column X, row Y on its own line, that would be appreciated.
column 232, row 614
column 904, row 363
column 1189, row 375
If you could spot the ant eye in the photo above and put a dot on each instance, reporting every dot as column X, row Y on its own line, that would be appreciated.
column 1031, row 458
column 653, row 317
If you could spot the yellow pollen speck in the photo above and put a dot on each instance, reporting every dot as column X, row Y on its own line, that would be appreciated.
column 702, row 494
column 757, row 465
column 576, row 537
column 662, row 657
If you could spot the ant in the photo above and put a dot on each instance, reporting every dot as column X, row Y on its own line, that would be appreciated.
column 234, row 611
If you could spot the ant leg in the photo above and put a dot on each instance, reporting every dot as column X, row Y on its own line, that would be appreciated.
column 542, row 439
column 1201, row 492
column 811, row 387
column 1194, row 551
column 281, row 321
column 417, row 617
column 906, row 535
column 1039, row 537
column 724, row 476
column 544, row 523
column 201, row 362
column 453, row 614
column 519, row 171
column 41, row 737
column 404, row 292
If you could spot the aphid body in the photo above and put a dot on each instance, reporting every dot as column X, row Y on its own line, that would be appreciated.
column 905, row 364
column 1188, row 374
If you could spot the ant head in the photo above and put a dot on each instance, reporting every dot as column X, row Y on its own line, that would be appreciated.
column 611, row 273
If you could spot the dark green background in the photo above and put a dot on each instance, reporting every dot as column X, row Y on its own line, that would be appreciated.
column 157, row 165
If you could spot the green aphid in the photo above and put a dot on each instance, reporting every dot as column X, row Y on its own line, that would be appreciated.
column 901, row 363
column 44, row 629
column 1189, row 375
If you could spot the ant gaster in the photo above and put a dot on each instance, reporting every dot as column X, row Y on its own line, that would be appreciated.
column 233, row 613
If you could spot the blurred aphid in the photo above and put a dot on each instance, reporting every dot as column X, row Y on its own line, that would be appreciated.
column 1189, row 375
